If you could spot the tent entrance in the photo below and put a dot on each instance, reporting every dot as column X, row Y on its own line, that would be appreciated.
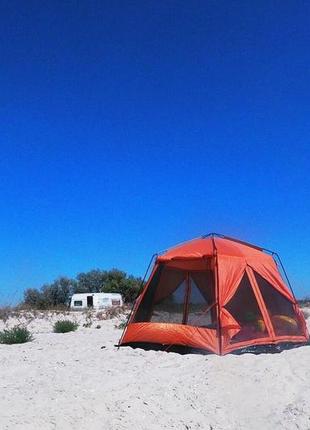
column 261, row 311
column 178, row 296
column 246, row 311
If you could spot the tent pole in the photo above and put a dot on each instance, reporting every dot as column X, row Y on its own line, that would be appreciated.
column 186, row 299
column 242, row 242
column 139, row 292
column 216, row 279
column 285, row 274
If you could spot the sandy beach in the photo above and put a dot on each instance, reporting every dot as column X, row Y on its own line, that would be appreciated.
column 80, row 380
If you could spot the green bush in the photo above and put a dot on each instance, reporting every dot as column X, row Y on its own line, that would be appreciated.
column 64, row 326
column 16, row 334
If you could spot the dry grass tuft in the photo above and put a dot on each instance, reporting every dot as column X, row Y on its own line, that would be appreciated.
column 113, row 312
column 306, row 312
column 7, row 312
column 121, row 325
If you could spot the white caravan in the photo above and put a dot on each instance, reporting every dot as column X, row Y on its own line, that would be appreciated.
column 95, row 300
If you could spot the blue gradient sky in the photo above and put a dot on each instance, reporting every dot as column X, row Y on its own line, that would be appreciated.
column 129, row 126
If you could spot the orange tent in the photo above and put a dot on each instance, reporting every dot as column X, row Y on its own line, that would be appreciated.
column 217, row 294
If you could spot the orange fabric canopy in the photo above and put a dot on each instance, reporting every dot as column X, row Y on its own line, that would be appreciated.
column 206, row 247
column 229, row 266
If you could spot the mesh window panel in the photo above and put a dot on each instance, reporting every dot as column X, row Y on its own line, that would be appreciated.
column 244, row 308
column 281, row 311
column 165, row 294
column 201, row 305
column 170, row 309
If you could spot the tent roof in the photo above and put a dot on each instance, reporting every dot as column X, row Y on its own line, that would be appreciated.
column 206, row 247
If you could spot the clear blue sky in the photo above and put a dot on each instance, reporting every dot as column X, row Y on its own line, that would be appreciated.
column 129, row 126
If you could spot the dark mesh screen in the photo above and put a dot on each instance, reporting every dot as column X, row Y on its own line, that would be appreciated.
column 201, row 304
column 144, row 310
column 177, row 296
column 280, row 309
column 170, row 309
column 244, row 308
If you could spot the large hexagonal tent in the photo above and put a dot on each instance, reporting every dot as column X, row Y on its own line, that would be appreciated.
column 218, row 294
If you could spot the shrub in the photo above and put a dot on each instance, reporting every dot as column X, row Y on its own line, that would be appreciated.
column 16, row 334
column 64, row 326
column 88, row 318
column 111, row 312
column 87, row 324
column 121, row 325
column 5, row 313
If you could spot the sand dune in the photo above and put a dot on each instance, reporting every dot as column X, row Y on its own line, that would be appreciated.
column 81, row 381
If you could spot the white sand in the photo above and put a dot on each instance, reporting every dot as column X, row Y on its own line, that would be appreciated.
column 66, row 381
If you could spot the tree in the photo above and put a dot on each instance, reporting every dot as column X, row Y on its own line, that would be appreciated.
column 33, row 298
column 59, row 292
column 90, row 282
column 117, row 281
column 50, row 295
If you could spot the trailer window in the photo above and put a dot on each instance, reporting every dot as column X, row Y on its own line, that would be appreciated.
column 78, row 303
